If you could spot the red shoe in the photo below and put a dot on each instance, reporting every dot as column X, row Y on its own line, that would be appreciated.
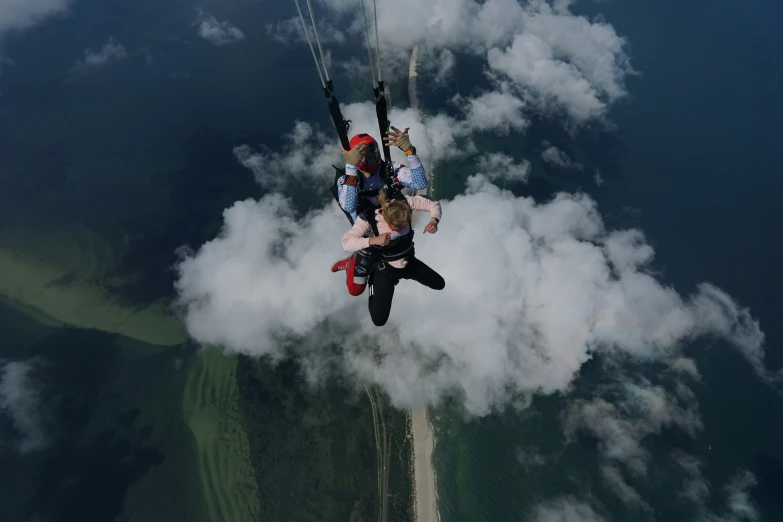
column 341, row 264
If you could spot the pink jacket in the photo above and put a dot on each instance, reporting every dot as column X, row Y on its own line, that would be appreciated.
column 355, row 239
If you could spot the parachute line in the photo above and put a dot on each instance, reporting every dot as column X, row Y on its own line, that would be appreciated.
column 377, row 40
column 317, row 41
column 369, row 47
column 307, row 35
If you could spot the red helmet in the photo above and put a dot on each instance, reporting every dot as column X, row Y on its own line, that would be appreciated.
column 372, row 157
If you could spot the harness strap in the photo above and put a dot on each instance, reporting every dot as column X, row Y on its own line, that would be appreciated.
column 369, row 215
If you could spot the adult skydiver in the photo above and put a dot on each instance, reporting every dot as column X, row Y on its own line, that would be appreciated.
column 364, row 170
column 392, row 243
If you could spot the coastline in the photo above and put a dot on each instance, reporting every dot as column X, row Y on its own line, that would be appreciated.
column 425, row 501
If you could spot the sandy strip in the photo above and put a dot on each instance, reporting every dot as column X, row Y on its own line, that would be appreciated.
column 46, row 293
column 425, row 500
column 413, row 92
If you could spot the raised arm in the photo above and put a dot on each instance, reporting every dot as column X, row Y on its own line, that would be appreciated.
column 412, row 176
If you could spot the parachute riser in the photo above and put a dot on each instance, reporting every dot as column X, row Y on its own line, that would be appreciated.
column 381, row 110
column 341, row 125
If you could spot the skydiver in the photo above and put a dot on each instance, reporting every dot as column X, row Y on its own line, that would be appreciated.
column 363, row 178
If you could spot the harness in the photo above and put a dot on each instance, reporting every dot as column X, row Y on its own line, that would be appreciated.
column 397, row 248
column 392, row 187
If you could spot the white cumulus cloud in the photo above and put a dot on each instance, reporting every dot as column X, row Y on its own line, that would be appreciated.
column 497, row 165
column 558, row 62
column 215, row 32
column 307, row 155
column 531, row 291
column 557, row 157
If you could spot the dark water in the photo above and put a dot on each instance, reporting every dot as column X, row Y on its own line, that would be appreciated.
column 115, row 444
column 695, row 164
column 140, row 150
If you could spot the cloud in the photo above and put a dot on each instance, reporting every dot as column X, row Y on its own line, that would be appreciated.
column 643, row 410
column 738, row 505
column 632, row 410
column 565, row 509
column 498, row 111
column 217, row 33
column 556, row 61
column 559, row 158
column 264, row 278
column 561, row 6
column 112, row 51
column 694, row 488
column 628, row 412
column 531, row 63
column 686, row 366
column 497, row 165
column 613, row 475
column 438, row 63
column 553, row 284
column 597, row 178
column 307, row 155
column 20, row 401
column 17, row 15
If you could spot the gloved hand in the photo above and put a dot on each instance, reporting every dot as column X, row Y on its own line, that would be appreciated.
column 355, row 155
column 398, row 138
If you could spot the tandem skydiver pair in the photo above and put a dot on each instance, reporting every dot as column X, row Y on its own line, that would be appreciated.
column 381, row 237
